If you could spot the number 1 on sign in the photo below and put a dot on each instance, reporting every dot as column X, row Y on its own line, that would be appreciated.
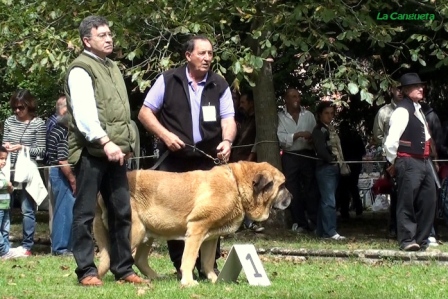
column 256, row 274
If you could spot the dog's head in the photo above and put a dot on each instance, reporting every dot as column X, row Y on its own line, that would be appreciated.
column 267, row 190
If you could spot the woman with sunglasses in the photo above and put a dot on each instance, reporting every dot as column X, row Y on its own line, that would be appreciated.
column 23, row 128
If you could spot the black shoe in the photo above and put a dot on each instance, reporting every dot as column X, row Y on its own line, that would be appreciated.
column 410, row 247
column 344, row 216
column 62, row 253
column 392, row 234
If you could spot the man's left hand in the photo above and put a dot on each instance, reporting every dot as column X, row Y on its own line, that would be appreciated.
column 224, row 149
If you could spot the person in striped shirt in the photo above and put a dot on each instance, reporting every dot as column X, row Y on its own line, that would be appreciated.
column 24, row 128
column 63, row 187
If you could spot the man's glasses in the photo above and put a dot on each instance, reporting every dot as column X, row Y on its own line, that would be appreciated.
column 21, row 108
column 104, row 35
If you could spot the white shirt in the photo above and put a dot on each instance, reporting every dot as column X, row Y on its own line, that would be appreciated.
column 83, row 103
column 287, row 126
column 398, row 123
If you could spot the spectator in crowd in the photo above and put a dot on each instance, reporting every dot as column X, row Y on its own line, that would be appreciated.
column 244, row 144
column 295, row 125
column 63, row 184
column 24, row 128
column 239, row 114
column 100, row 140
column 380, row 132
column 443, row 173
column 134, row 162
column 437, row 148
column 194, row 107
column 353, row 149
column 327, row 144
column 246, row 133
column 407, row 149
column 5, row 204
column 60, row 109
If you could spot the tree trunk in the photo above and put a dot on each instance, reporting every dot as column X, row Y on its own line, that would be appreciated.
column 266, row 117
column 266, row 121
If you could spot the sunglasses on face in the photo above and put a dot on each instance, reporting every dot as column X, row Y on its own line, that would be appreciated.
column 21, row 108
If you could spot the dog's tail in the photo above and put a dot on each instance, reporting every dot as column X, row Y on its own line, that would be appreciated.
column 101, row 234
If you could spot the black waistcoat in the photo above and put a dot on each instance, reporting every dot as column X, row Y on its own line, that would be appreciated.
column 412, row 141
column 175, row 114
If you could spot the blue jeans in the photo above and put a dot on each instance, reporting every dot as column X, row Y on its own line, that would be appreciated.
column 28, row 207
column 4, row 232
column 64, row 200
column 327, row 181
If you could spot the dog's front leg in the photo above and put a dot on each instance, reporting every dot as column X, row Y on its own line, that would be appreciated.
column 192, row 245
column 208, row 253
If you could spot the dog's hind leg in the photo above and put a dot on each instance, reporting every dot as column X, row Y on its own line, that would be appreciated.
column 101, row 235
column 208, row 252
column 141, row 259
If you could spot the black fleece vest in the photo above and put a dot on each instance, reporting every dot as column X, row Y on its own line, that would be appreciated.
column 175, row 114
column 412, row 141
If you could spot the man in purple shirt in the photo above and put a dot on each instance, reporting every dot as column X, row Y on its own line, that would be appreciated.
column 190, row 106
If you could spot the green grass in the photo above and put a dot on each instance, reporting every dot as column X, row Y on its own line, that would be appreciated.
column 45, row 276
column 53, row 277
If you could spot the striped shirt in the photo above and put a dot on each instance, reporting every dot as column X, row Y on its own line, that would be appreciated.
column 31, row 135
column 4, row 194
column 57, row 145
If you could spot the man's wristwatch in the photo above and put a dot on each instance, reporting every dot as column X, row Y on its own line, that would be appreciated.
column 229, row 141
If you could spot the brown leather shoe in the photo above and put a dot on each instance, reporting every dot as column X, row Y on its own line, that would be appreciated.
column 135, row 279
column 91, row 281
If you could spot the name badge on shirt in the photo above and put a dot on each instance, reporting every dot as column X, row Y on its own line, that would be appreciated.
column 209, row 113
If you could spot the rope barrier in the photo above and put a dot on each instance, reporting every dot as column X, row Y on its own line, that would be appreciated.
column 57, row 166
column 250, row 145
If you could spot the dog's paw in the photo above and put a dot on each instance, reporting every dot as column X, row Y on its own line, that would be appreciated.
column 188, row 284
column 214, row 278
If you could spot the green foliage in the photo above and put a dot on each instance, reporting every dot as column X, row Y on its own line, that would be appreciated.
column 331, row 48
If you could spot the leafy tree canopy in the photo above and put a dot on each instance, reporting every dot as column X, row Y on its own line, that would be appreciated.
column 329, row 48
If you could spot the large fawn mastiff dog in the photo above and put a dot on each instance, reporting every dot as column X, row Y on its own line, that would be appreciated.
column 196, row 206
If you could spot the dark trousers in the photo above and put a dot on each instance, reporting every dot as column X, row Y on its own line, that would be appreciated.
column 301, row 182
column 181, row 164
column 393, row 209
column 95, row 175
column 416, row 201
column 348, row 189
column 393, row 202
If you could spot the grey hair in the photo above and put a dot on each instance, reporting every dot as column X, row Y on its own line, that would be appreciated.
column 189, row 45
column 85, row 28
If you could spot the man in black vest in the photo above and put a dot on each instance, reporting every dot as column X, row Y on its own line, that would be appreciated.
column 408, row 148
column 190, row 106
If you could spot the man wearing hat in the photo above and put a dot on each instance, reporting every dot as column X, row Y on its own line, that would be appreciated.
column 408, row 148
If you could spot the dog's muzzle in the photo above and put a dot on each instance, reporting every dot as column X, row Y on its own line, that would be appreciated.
column 283, row 199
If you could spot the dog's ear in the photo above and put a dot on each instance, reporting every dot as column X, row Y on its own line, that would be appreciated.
column 262, row 182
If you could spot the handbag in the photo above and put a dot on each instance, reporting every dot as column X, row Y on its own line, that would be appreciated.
column 23, row 165
column 344, row 169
